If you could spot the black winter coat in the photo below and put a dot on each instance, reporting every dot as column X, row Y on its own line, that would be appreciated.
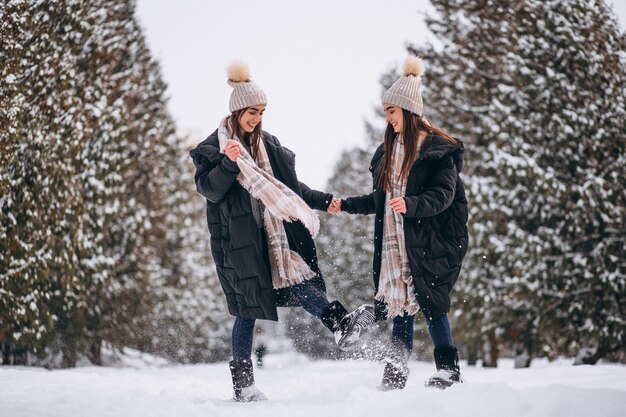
column 238, row 245
column 435, row 223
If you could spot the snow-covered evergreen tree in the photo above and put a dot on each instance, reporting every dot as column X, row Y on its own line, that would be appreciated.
column 98, row 208
column 538, row 89
column 42, row 202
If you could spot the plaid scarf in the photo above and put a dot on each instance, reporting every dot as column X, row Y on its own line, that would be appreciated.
column 278, row 203
column 395, row 286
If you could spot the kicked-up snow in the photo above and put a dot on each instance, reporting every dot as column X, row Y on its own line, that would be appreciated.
column 298, row 387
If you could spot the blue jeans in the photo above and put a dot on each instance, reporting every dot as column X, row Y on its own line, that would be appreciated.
column 439, row 330
column 312, row 300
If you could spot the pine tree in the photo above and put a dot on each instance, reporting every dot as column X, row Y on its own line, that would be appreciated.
column 538, row 88
column 42, row 206
column 98, row 209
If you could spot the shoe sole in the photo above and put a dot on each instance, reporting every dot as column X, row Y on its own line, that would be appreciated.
column 346, row 342
column 441, row 383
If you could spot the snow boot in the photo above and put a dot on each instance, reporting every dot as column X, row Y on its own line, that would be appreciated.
column 394, row 377
column 347, row 328
column 396, row 370
column 244, row 389
column 448, row 371
column 354, row 326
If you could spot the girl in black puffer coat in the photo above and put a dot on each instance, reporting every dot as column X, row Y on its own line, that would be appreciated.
column 261, row 224
column 421, row 228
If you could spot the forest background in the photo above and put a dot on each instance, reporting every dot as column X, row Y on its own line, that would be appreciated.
column 103, row 238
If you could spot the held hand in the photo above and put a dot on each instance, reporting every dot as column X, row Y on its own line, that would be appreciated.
column 398, row 205
column 232, row 150
column 335, row 206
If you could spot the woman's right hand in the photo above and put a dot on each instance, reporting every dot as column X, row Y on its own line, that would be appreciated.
column 335, row 206
column 232, row 150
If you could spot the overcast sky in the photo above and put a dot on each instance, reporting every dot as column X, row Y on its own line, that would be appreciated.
column 319, row 62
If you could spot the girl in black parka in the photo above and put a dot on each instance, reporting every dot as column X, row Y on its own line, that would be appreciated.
column 261, row 224
column 420, row 231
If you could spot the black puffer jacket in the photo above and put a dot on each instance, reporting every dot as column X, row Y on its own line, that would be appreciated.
column 435, row 224
column 238, row 245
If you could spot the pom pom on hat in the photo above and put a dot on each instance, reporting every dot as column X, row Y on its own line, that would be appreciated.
column 238, row 72
column 245, row 92
column 413, row 66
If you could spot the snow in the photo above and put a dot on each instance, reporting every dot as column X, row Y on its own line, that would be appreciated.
column 298, row 387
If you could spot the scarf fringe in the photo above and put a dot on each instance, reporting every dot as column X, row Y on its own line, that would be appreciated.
column 397, row 308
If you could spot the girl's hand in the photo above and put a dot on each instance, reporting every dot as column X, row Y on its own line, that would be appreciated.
column 335, row 206
column 232, row 150
column 398, row 205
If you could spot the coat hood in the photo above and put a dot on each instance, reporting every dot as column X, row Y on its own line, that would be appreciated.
column 208, row 148
column 436, row 147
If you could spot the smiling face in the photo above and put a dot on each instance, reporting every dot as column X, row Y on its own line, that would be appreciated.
column 394, row 117
column 250, row 118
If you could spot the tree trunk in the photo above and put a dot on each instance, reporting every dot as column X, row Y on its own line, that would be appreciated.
column 524, row 353
column 522, row 358
column 6, row 360
column 69, row 357
column 490, row 351
column 95, row 352
column 472, row 355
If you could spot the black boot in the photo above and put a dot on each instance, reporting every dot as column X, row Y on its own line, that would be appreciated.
column 396, row 370
column 394, row 377
column 332, row 315
column 243, row 382
column 348, row 328
column 448, row 371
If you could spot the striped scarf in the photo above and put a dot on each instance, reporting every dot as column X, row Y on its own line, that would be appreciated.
column 278, row 203
column 395, row 286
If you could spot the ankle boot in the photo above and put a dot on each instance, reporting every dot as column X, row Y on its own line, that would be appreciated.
column 396, row 369
column 394, row 377
column 347, row 328
column 244, row 389
column 448, row 371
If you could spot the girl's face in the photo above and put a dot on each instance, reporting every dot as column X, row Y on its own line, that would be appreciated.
column 394, row 117
column 251, row 117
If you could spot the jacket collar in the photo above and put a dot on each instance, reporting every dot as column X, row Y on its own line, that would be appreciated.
column 434, row 147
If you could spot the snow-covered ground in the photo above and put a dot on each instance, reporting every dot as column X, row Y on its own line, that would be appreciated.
column 298, row 387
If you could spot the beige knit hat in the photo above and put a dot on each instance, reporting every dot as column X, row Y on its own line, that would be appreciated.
column 405, row 92
column 245, row 92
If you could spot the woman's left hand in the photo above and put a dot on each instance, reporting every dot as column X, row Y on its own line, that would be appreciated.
column 398, row 205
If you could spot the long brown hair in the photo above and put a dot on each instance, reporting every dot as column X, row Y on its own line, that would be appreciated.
column 249, row 139
column 414, row 126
